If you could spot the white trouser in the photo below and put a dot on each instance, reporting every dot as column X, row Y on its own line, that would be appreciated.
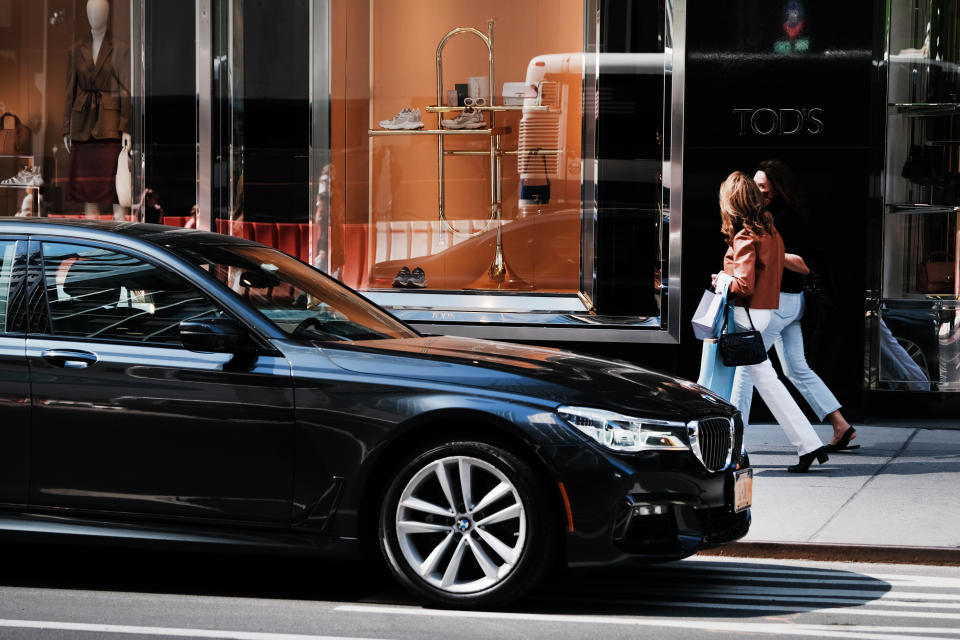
column 781, row 404
column 789, row 348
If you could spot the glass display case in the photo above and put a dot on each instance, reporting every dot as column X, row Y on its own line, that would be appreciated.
column 918, row 311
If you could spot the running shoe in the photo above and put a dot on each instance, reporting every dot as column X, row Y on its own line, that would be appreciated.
column 406, row 119
column 468, row 119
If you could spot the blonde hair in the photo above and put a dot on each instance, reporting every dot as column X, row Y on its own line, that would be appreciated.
column 741, row 207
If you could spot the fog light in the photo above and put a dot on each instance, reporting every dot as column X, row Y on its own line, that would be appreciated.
column 649, row 509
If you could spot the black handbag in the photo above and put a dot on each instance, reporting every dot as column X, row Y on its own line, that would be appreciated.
column 536, row 193
column 743, row 347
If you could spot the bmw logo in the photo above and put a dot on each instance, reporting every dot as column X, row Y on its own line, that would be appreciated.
column 707, row 396
column 462, row 524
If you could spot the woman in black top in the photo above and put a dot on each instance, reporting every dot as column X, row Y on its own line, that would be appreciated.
column 783, row 199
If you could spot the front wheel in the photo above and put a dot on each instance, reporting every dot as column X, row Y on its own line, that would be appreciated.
column 466, row 524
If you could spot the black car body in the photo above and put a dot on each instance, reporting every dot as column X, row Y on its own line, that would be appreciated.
column 181, row 411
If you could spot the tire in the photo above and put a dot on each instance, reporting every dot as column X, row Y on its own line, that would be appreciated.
column 479, row 537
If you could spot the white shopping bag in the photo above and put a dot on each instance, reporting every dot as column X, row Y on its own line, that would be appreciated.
column 708, row 318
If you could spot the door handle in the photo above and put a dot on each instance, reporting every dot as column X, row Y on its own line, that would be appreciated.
column 68, row 359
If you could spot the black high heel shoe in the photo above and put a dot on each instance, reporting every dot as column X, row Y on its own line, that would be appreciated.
column 807, row 459
column 843, row 442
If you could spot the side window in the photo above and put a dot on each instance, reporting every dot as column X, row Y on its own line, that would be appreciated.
column 8, row 250
column 107, row 295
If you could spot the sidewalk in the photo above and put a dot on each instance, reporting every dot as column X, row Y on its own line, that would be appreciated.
column 899, row 492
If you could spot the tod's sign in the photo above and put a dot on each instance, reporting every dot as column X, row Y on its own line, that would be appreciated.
column 780, row 122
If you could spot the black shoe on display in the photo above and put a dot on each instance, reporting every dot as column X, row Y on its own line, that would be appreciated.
column 807, row 459
column 402, row 279
column 418, row 279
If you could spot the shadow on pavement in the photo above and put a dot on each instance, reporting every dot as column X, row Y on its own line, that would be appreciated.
column 705, row 589
column 717, row 589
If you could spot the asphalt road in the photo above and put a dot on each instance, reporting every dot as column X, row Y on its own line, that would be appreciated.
column 78, row 592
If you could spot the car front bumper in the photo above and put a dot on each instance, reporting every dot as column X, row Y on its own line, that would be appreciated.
column 653, row 506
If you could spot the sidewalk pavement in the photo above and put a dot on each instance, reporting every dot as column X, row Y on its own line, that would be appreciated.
column 895, row 499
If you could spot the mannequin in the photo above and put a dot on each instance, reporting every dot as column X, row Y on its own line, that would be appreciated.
column 97, row 113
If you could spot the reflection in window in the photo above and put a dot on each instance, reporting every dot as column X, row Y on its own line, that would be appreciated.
column 105, row 295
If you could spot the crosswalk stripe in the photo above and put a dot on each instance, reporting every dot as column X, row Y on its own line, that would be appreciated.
column 865, row 595
column 721, row 595
column 793, row 608
column 918, row 581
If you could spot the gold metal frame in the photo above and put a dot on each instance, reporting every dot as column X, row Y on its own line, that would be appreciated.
column 499, row 274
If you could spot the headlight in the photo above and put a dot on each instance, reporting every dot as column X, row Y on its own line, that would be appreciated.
column 626, row 433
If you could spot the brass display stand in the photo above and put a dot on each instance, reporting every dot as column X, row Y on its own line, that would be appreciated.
column 498, row 275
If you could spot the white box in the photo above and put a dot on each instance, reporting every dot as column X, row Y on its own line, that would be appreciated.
column 514, row 93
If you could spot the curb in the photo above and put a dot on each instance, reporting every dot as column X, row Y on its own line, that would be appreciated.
column 835, row 552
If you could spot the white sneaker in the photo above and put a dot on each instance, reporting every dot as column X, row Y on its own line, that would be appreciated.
column 468, row 119
column 406, row 119
column 28, row 177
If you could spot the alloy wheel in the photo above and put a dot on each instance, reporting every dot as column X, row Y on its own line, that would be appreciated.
column 461, row 524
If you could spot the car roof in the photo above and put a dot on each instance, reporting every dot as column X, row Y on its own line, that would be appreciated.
column 156, row 234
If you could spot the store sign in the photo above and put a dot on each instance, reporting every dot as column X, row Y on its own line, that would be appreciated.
column 780, row 122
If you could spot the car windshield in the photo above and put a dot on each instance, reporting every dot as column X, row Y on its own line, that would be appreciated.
column 301, row 301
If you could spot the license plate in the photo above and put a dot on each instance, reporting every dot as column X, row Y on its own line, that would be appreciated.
column 742, row 489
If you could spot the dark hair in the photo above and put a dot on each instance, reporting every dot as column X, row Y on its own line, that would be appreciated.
column 741, row 206
column 785, row 185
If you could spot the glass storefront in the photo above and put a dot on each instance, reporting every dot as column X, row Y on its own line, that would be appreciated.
column 918, row 323
column 468, row 172
column 510, row 169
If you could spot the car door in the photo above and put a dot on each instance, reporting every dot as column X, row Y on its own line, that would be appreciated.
column 14, row 380
column 128, row 421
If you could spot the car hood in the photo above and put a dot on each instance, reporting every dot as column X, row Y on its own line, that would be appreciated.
column 554, row 375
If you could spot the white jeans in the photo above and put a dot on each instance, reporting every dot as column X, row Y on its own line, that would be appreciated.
column 781, row 404
column 789, row 348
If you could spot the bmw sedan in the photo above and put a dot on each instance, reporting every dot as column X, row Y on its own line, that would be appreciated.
column 173, row 386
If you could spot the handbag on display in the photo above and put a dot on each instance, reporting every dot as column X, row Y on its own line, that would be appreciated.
column 14, row 141
column 936, row 273
column 536, row 193
column 708, row 318
column 124, row 179
column 741, row 348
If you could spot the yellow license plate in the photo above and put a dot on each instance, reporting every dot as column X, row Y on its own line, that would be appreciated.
column 742, row 489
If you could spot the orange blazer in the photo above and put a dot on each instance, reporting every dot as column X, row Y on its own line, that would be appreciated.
column 756, row 264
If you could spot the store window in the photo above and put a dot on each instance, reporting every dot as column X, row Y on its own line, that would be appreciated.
column 87, row 130
column 472, row 173
column 919, row 316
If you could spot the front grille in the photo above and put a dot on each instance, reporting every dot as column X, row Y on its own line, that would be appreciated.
column 714, row 442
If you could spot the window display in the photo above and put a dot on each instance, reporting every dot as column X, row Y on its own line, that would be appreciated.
column 918, row 316
column 84, row 130
column 464, row 140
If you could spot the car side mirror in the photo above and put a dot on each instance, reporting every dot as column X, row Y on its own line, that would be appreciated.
column 217, row 335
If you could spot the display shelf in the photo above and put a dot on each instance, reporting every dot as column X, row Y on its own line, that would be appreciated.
column 913, row 209
column 540, row 152
column 498, row 107
column 919, row 109
column 496, row 131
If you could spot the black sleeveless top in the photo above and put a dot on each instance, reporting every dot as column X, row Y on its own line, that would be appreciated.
column 796, row 239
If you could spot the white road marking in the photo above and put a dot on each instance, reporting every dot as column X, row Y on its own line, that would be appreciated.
column 815, row 630
column 916, row 581
column 860, row 611
column 720, row 594
column 51, row 625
